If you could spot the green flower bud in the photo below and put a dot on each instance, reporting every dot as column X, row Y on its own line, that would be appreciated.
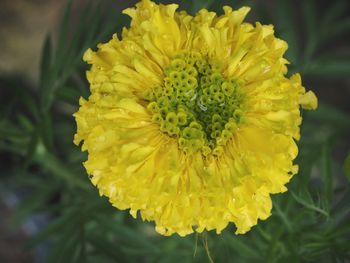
column 219, row 97
column 168, row 91
column 171, row 117
column 191, row 104
column 191, row 71
column 216, row 118
column 192, row 82
column 178, row 64
column 168, row 69
column 187, row 133
column 163, row 111
column 226, row 135
column 231, row 126
column 153, row 107
column 206, row 92
column 182, row 142
column 217, row 126
column 206, row 150
column 201, row 63
column 204, row 86
column 172, row 129
column 218, row 151
column 177, row 83
column 163, row 101
column 186, row 150
column 237, row 115
column 220, row 141
column 196, row 125
column 216, row 78
column 211, row 144
column 211, row 100
column 196, row 104
column 184, row 76
column 214, row 89
column 174, row 75
column 148, row 94
column 203, row 102
column 205, row 70
column 168, row 83
column 227, row 88
column 233, row 103
column 163, row 127
column 182, row 108
column 196, row 144
column 226, row 114
column 182, row 118
column 189, row 93
column 215, row 134
column 158, row 91
column 157, row 118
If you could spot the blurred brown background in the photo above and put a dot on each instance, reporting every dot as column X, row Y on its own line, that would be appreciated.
column 24, row 25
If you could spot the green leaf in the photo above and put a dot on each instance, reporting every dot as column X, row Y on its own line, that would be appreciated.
column 30, row 102
column 52, row 164
column 46, row 83
column 346, row 167
column 46, row 130
column 110, row 249
column 332, row 68
column 336, row 9
column 52, row 229
column 46, row 61
column 240, row 247
column 327, row 172
column 287, row 29
column 331, row 116
column 310, row 17
column 32, row 146
column 331, row 19
column 284, row 217
column 340, row 28
column 68, row 94
column 128, row 235
column 62, row 47
column 34, row 202
column 65, row 248
column 304, row 198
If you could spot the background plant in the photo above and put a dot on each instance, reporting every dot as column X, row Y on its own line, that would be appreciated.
column 310, row 223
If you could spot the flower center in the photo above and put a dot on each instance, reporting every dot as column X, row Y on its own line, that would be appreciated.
column 196, row 104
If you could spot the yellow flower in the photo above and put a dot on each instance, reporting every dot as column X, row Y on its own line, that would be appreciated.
column 191, row 120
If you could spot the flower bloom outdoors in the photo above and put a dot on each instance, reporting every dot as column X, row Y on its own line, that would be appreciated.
column 191, row 119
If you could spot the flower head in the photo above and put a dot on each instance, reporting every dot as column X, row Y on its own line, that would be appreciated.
column 191, row 120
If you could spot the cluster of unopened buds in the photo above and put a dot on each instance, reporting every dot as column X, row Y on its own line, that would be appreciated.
column 197, row 104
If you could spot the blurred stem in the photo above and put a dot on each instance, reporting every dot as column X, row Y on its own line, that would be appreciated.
column 83, row 88
column 195, row 244
column 263, row 233
column 206, row 246
column 283, row 216
column 56, row 167
column 82, row 255
column 326, row 172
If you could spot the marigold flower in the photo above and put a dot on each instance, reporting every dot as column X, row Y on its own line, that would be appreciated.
column 191, row 120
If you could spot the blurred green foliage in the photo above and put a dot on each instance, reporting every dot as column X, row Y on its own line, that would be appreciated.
column 310, row 223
